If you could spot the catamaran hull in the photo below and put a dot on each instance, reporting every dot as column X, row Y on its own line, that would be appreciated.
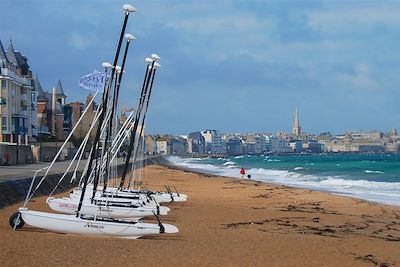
column 159, row 197
column 162, row 197
column 70, row 206
column 71, row 224
column 133, row 200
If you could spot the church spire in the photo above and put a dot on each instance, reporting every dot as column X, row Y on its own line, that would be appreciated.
column 296, row 125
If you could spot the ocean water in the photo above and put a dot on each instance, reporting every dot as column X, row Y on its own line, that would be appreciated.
column 374, row 177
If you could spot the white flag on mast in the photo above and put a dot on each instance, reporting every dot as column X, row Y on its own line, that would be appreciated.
column 94, row 81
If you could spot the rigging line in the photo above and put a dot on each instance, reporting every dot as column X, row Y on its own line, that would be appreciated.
column 133, row 133
column 78, row 152
column 110, row 129
column 114, row 151
column 121, row 132
column 78, row 155
column 105, row 147
column 134, row 162
column 61, row 148
column 143, row 159
column 146, row 109
column 104, row 108
column 99, row 112
column 146, row 172
column 131, row 174
column 141, row 165
column 82, row 152
column 114, row 163
column 83, row 146
column 118, row 146
column 124, row 134
column 113, row 109
column 99, row 170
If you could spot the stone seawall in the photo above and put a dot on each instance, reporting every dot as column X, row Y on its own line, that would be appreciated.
column 15, row 191
column 10, row 152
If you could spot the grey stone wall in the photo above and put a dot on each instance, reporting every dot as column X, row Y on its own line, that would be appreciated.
column 8, row 154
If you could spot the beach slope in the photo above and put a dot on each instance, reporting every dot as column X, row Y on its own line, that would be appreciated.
column 226, row 222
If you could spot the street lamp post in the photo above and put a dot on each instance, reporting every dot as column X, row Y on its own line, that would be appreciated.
column 17, row 134
column 16, row 138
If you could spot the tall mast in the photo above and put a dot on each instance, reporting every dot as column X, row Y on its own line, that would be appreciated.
column 156, row 65
column 129, row 38
column 128, row 9
column 138, row 113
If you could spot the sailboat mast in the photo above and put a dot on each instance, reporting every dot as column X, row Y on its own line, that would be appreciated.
column 93, row 153
column 129, row 37
column 144, row 116
column 136, row 122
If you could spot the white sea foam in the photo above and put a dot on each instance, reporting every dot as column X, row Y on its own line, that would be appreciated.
column 239, row 157
column 383, row 192
column 298, row 168
column 369, row 171
column 229, row 163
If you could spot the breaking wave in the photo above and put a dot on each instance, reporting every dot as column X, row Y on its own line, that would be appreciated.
column 383, row 192
column 368, row 171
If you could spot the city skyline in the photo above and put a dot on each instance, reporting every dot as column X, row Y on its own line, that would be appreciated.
column 232, row 66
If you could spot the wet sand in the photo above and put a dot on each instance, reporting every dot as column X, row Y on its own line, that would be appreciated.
column 226, row 222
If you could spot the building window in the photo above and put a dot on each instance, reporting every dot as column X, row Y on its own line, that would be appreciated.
column 4, row 123
column 3, row 84
column 34, row 97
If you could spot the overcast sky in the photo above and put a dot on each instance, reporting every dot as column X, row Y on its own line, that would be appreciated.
column 235, row 66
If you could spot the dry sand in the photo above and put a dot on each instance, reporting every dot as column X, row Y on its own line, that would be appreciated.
column 226, row 222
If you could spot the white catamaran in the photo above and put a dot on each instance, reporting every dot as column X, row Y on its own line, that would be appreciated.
column 99, row 206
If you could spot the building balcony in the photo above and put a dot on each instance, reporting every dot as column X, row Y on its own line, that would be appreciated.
column 20, row 129
column 24, row 113
column 13, row 76
column 23, row 97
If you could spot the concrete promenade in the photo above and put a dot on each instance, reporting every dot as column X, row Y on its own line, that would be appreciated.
column 23, row 171
column 15, row 180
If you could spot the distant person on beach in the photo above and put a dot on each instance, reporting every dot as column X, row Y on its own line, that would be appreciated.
column 242, row 172
column 249, row 176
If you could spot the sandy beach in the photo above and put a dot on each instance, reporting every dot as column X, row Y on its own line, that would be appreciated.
column 226, row 222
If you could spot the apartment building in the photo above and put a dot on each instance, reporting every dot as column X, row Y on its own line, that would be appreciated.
column 17, row 97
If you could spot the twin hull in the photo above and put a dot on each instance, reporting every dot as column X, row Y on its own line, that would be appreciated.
column 135, row 200
column 166, row 197
column 70, row 206
column 71, row 224
column 159, row 197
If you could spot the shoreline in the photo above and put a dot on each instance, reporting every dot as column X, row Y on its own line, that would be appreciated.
column 226, row 222
column 339, row 194
column 287, row 154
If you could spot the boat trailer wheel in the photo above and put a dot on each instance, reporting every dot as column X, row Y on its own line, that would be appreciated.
column 16, row 221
